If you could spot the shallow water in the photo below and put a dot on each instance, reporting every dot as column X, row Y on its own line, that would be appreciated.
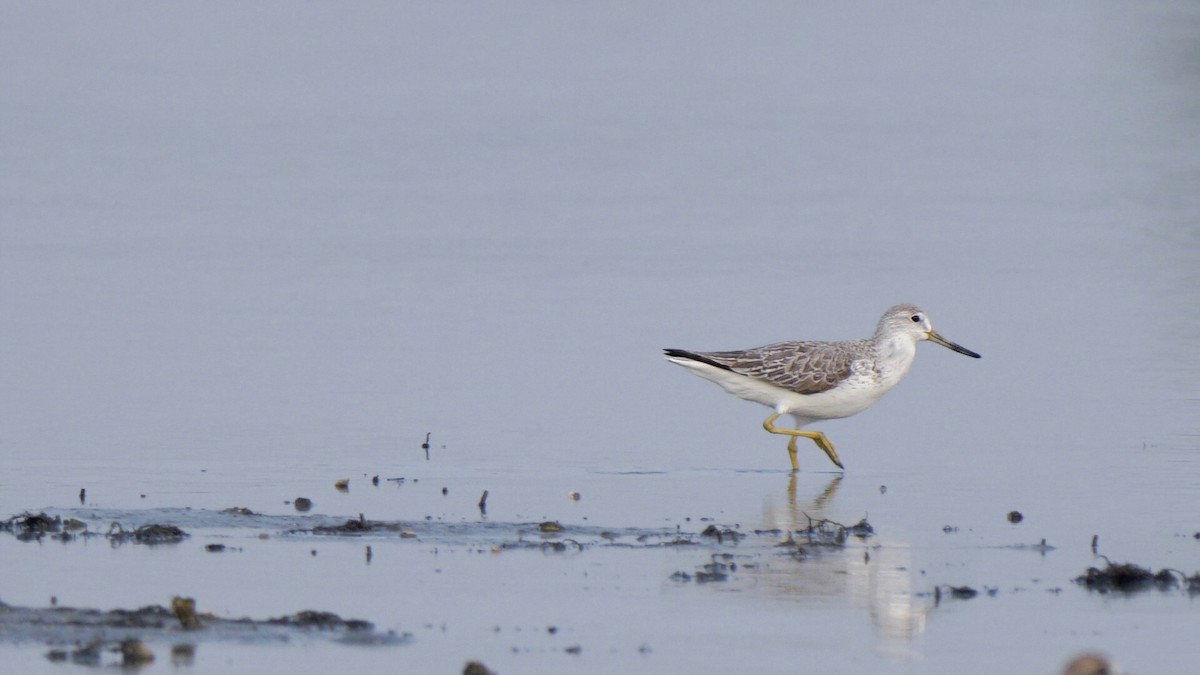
column 248, row 252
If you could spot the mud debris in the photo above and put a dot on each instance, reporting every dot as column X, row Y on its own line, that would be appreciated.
column 476, row 668
column 183, row 654
column 714, row 571
column 355, row 526
column 135, row 653
column 829, row 533
column 150, row 535
column 320, row 621
column 718, row 569
column 83, row 655
column 342, row 485
column 561, row 546
column 33, row 527
column 720, row 534
column 125, row 635
column 550, row 526
column 29, row 526
column 955, row 592
column 1131, row 578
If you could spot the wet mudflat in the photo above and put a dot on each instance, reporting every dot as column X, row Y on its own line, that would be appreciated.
column 815, row 562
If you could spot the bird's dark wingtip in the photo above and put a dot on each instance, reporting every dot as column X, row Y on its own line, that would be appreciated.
column 693, row 356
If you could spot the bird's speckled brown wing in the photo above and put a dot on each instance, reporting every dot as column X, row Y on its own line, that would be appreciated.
column 802, row 367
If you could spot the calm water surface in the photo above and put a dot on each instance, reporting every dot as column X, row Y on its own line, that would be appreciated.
column 247, row 252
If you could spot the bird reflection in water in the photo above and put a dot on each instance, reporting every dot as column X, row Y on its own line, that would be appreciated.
column 873, row 573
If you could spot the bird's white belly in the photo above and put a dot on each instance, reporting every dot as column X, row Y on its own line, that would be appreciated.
column 852, row 395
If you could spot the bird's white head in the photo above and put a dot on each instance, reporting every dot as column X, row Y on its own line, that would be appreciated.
column 912, row 322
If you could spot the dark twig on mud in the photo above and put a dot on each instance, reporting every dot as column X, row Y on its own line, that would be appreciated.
column 425, row 446
column 483, row 503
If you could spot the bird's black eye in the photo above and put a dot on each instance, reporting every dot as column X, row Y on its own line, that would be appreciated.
column 916, row 318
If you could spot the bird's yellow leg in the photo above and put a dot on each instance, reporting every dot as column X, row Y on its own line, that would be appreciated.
column 817, row 437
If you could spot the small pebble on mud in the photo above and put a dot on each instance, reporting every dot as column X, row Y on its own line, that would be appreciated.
column 549, row 526
column 302, row 504
column 342, row 485
column 1090, row 664
column 573, row 496
column 1015, row 517
column 184, row 609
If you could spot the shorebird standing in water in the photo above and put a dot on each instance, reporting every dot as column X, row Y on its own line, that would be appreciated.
column 813, row 381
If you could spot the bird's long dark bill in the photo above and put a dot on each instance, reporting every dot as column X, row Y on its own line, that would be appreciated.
column 934, row 337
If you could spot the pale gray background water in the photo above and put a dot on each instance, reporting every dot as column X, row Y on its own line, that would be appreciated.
column 248, row 249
